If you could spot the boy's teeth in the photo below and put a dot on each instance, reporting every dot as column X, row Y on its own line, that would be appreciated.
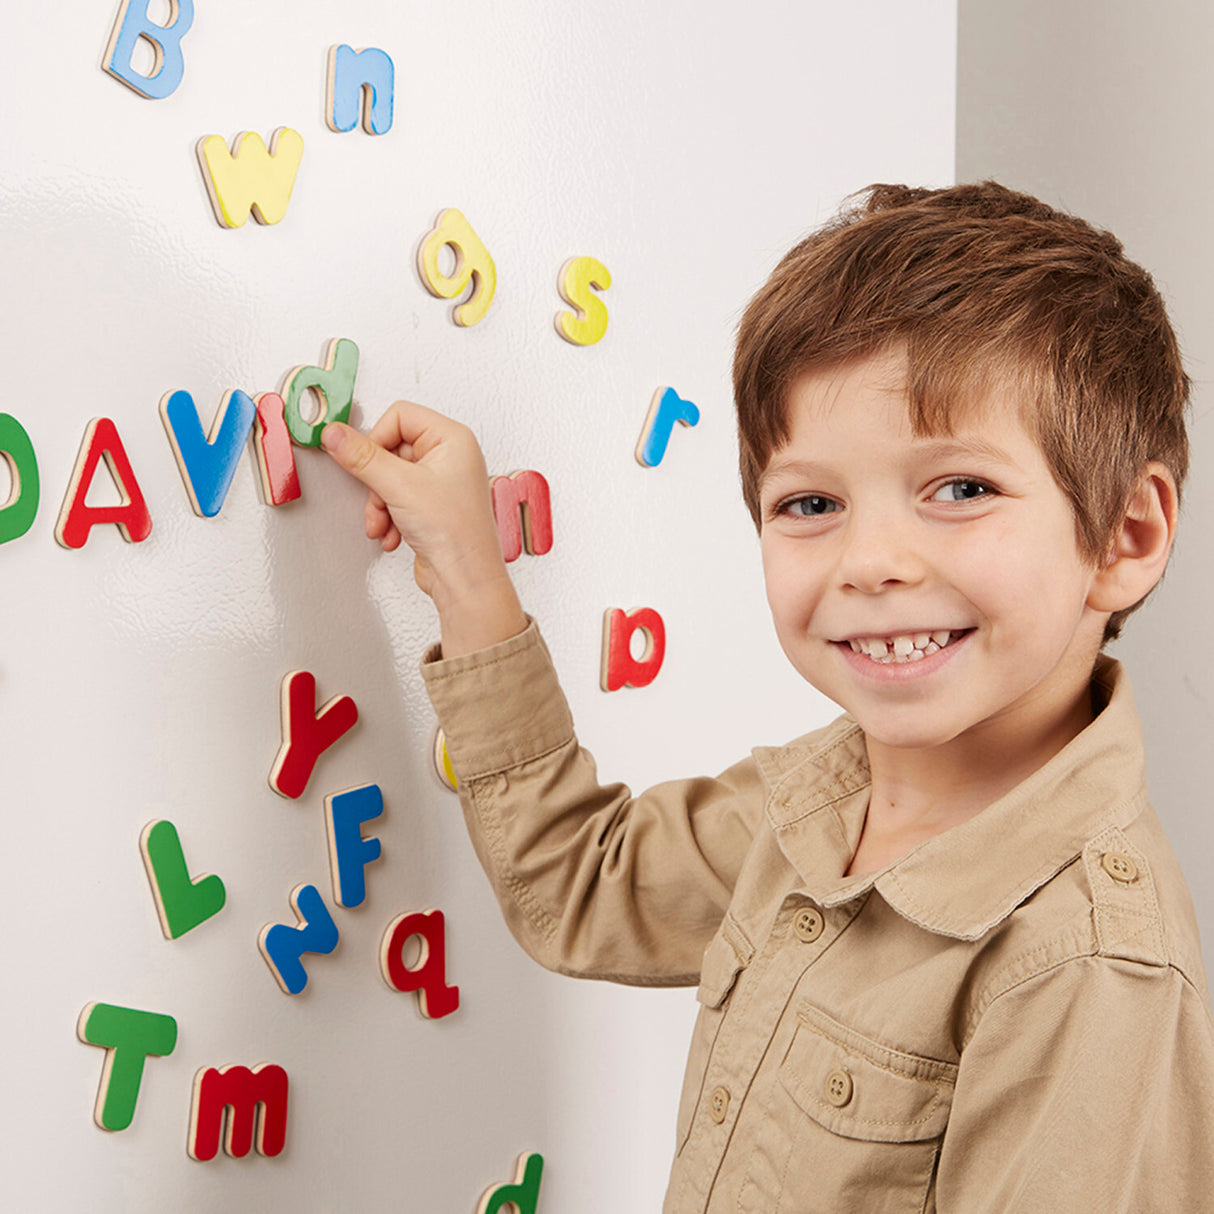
column 910, row 647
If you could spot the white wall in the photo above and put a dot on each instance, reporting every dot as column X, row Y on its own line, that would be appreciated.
column 1102, row 107
column 684, row 145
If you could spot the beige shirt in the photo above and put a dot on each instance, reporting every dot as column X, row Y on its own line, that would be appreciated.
column 1011, row 1017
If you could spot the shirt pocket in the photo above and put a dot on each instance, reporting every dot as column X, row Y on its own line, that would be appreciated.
column 725, row 958
column 860, row 1089
column 854, row 1124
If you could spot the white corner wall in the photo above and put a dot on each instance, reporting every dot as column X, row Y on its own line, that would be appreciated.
column 1102, row 107
column 684, row 145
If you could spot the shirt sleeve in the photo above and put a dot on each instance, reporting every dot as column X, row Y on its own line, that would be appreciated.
column 593, row 881
column 1088, row 1087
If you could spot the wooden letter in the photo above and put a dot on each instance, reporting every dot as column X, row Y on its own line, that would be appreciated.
column 306, row 733
column 587, row 323
column 76, row 519
column 283, row 947
column 181, row 903
column 523, row 1194
column 334, row 382
column 275, row 458
column 429, row 977
column 620, row 668
column 132, row 24
column 666, row 408
column 367, row 76
column 207, row 464
column 472, row 265
column 19, row 510
column 249, row 178
column 522, row 506
column 241, row 1093
column 349, row 852
column 128, row 1036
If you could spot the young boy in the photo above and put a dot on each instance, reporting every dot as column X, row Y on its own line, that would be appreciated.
column 946, row 958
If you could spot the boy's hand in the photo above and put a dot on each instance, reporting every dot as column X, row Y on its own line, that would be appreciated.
column 428, row 486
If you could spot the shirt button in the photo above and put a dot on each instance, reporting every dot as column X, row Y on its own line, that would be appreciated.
column 839, row 1088
column 1119, row 866
column 718, row 1104
column 807, row 924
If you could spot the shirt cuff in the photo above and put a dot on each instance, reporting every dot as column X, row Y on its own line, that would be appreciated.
column 498, row 707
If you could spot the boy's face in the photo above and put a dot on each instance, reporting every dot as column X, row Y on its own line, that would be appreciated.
column 933, row 586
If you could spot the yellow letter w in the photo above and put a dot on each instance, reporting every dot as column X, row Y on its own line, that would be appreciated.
column 250, row 178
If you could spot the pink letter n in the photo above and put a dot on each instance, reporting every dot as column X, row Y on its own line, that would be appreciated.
column 522, row 506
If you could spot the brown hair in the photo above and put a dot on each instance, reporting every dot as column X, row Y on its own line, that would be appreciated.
column 986, row 288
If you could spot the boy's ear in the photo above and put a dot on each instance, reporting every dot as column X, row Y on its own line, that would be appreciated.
column 1139, row 553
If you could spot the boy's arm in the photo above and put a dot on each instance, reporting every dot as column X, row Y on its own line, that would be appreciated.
column 592, row 881
column 1088, row 1087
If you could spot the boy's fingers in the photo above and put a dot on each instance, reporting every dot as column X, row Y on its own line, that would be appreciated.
column 404, row 424
column 376, row 520
column 381, row 471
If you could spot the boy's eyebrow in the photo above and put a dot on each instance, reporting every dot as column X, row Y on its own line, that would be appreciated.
column 941, row 448
column 797, row 467
column 938, row 448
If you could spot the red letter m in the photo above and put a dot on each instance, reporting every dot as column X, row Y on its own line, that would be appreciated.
column 238, row 1091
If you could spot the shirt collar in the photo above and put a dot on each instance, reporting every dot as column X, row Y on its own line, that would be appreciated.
column 965, row 881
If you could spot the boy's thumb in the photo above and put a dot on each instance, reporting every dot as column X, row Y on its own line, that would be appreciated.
column 364, row 459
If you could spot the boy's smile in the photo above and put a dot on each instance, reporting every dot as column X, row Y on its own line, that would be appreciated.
column 930, row 585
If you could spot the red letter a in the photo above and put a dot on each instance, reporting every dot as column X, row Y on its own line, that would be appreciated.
column 76, row 519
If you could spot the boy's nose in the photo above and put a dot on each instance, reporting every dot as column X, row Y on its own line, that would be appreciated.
column 877, row 554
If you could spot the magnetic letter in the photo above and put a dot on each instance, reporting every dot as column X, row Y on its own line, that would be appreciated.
column 472, row 265
column 523, row 1194
column 666, row 408
column 306, row 733
column 587, row 323
column 522, row 506
column 275, row 458
column 76, row 519
column 128, row 1036
column 619, row 667
column 429, row 977
column 239, row 1092
column 367, row 76
column 132, row 24
column 349, row 852
column 283, row 946
column 334, row 382
column 207, row 464
column 181, row 903
column 250, row 178
column 17, row 513
column 442, row 762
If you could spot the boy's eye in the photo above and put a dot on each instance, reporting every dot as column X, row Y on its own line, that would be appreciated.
column 809, row 507
column 961, row 490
